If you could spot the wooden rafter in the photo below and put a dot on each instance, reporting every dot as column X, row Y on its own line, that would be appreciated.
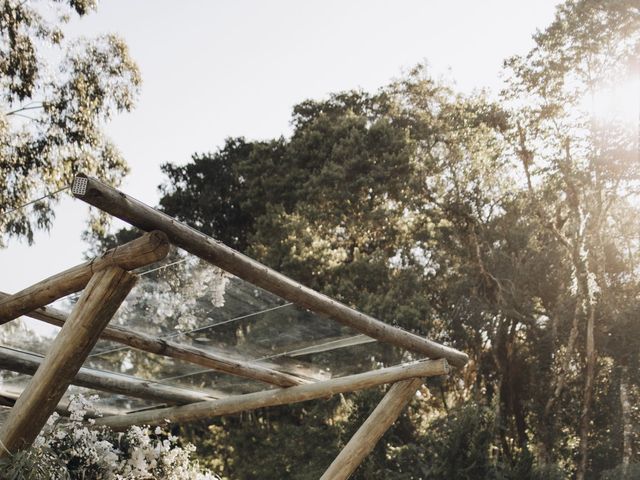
column 138, row 214
column 107, row 283
column 142, row 251
column 28, row 364
column 159, row 346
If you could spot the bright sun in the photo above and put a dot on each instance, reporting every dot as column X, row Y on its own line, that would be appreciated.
column 618, row 102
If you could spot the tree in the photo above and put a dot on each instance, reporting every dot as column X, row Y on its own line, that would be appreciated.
column 52, row 110
column 581, row 170
column 358, row 204
column 504, row 228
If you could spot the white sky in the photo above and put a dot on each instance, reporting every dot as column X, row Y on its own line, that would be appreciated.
column 215, row 69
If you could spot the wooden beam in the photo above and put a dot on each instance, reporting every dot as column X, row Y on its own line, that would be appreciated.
column 259, row 354
column 283, row 396
column 372, row 430
column 27, row 363
column 146, row 218
column 142, row 251
column 8, row 399
column 99, row 301
column 216, row 361
column 279, row 362
column 327, row 345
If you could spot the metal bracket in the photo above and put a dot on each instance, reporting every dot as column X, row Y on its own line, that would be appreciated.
column 79, row 186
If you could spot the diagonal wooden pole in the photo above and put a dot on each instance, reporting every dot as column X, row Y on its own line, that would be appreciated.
column 23, row 362
column 98, row 303
column 372, row 430
column 261, row 371
column 138, row 214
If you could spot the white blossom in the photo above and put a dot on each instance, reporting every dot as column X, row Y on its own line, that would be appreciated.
column 96, row 452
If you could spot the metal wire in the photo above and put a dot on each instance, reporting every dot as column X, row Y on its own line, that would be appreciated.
column 268, row 357
column 4, row 214
column 186, row 332
column 162, row 267
column 230, row 320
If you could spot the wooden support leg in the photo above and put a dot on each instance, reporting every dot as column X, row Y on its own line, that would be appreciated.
column 98, row 303
column 372, row 429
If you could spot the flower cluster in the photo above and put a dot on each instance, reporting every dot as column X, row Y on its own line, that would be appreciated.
column 78, row 449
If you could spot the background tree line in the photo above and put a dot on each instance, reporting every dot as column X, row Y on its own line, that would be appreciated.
column 506, row 227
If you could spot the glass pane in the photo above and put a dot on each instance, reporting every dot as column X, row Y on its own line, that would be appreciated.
column 188, row 302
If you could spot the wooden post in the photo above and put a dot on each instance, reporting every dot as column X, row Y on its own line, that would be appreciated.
column 142, row 251
column 97, row 304
column 282, row 396
column 146, row 218
column 372, row 429
column 216, row 361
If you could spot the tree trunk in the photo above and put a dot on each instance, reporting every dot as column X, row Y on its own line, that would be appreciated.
column 566, row 363
column 548, row 426
column 585, row 418
column 627, row 427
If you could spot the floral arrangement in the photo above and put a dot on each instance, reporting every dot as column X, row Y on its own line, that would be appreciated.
column 78, row 449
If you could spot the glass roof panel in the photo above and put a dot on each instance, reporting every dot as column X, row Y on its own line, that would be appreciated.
column 195, row 305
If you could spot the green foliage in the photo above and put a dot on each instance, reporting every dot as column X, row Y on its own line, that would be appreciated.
column 52, row 114
column 355, row 204
column 507, row 229
column 280, row 440
column 460, row 445
column 622, row 472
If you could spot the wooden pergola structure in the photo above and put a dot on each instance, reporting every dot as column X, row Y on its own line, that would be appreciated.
column 106, row 281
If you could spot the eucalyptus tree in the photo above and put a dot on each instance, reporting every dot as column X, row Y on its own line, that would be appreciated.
column 55, row 95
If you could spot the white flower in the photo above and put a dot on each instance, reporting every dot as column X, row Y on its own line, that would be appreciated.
column 96, row 447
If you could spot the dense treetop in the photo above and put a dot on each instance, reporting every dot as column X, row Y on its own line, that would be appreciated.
column 506, row 228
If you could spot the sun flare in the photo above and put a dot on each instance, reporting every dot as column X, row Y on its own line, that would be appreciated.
column 619, row 102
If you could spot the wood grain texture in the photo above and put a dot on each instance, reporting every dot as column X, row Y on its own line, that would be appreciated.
column 382, row 417
column 142, row 251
